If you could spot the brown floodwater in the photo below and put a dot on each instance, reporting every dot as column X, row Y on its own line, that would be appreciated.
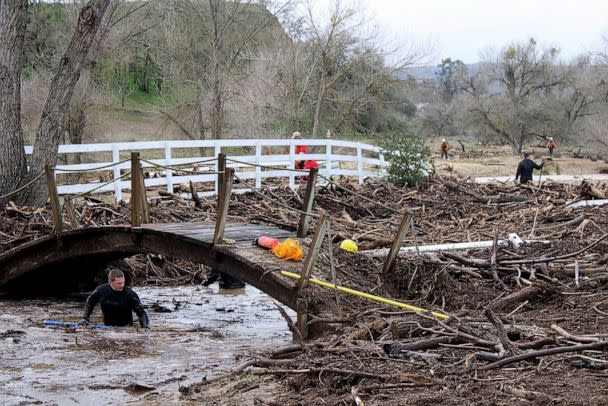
column 207, row 333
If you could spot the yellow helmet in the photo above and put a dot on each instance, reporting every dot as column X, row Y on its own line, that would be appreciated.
column 349, row 245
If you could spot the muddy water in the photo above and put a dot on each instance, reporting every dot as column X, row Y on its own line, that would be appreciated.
column 206, row 333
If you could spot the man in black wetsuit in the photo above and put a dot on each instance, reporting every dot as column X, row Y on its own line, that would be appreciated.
column 117, row 303
column 525, row 169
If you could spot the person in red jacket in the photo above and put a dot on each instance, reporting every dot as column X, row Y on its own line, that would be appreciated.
column 300, row 149
column 303, row 149
column 444, row 148
column 551, row 145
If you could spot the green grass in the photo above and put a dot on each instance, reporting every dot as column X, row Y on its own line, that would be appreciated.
column 141, row 101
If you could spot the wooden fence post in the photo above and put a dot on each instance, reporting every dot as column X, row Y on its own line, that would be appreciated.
column 223, row 201
column 135, row 199
column 406, row 221
column 309, row 200
column 54, row 198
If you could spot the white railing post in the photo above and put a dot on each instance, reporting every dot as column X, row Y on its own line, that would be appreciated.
column 117, row 180
column 169, row 172
column 382, row 170
column 359, row 164
column 258, row 170
column 217, row 151
column 292, row 164
column 328, row 153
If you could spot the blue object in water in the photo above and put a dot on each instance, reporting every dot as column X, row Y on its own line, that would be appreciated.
column 71, row 324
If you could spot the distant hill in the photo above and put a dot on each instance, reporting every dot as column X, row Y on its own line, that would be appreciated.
column 421, row 73
column 424, row 72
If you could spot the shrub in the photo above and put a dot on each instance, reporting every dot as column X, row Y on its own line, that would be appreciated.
column 407, row 154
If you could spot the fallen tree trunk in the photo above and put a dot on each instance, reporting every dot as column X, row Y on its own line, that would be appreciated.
column 543, row 353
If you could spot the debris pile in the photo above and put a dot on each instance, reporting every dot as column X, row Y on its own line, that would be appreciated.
column 527, row 322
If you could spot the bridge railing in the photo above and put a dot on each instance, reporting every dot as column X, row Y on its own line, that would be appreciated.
column 335, row 157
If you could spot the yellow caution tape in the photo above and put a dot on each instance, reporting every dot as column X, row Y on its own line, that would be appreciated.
column 365, row 295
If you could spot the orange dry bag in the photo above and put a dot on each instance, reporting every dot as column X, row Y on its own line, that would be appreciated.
column 266, row 242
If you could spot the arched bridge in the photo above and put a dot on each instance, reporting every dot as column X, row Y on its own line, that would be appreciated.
column 70, row 261
column 60, row 263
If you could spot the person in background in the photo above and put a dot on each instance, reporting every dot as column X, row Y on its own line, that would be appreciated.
column 225, row 281
column 303, row 149
column 300, row 149
column 551, row 145
column 117, row 302
column 444, row 148
column 525, row 169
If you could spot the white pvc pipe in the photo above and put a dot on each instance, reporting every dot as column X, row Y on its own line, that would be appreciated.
column 382, row 252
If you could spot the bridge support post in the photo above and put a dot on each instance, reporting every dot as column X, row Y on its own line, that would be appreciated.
column 221, row 176
column 309, row 200
column 54, row 198
column 309, row 263
column 135, row 185
column 302, row 317
column 223, row 202
column 145, row 210
column 313, row 252
column 406, row 222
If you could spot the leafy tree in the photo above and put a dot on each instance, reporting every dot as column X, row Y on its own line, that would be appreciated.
column 448, row 72
column 407, row 154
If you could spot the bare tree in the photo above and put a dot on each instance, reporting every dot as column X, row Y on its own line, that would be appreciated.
column 575, row 99
column 438, row 118
column 210, row 44
column 52, row 121
column 354, row 66
column 511, row 94
column 13, row 167
column 333, row 42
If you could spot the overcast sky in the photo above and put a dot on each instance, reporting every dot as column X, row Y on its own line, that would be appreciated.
column 461, row 29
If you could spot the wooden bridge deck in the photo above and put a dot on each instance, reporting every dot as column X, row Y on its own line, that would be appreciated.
column 242, row 234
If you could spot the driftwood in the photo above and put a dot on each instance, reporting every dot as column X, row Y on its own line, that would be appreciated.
column 337, row 371
column 602, row 345
column 571, row 337
column 502, row 334
column 427, row 344
column 587, row 191
column 297, row 334
column 197, row 201
column 457, row 216
column 516, row 297
column 287, row 352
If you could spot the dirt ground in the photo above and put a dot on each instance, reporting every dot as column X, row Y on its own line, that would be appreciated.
column 500, row 161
